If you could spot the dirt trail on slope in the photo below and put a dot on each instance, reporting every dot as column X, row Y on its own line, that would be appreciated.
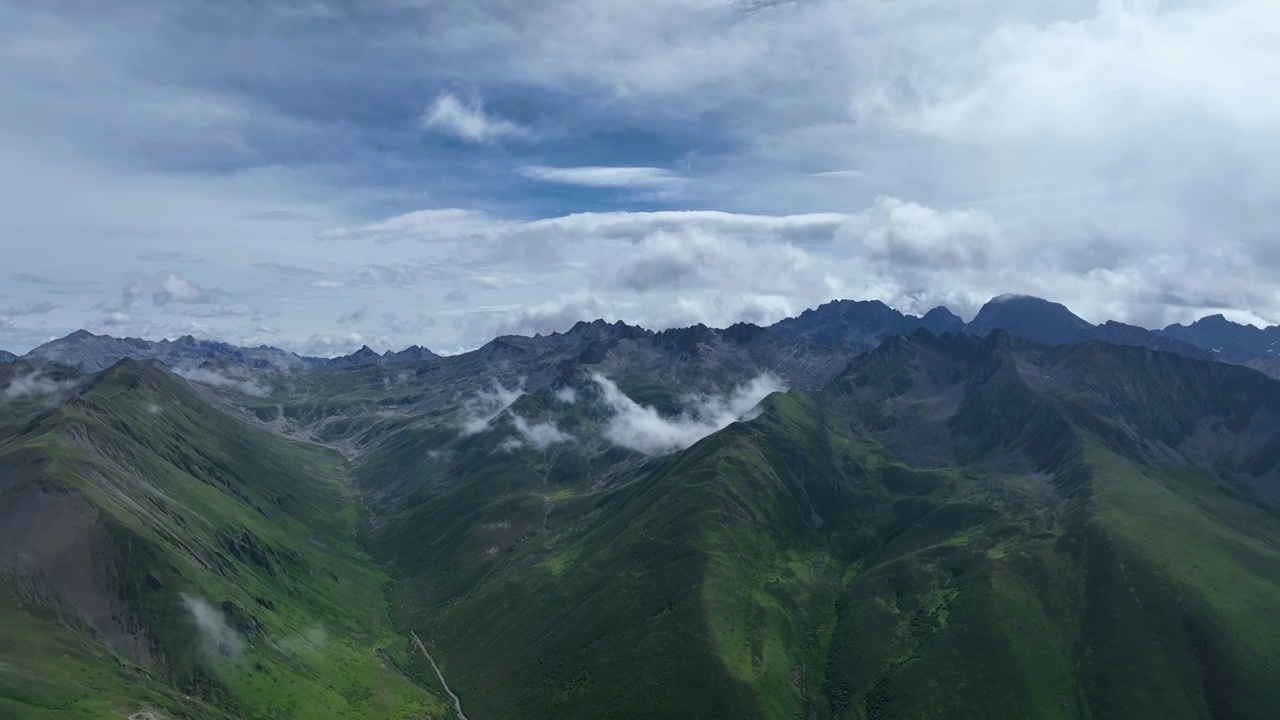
column 457, row 704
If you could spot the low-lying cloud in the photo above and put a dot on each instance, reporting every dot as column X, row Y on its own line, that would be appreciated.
column 240, row 382
column 217, row 637
column 32, row 384
column 540, row 435
column 487, row 405
column 643, row 429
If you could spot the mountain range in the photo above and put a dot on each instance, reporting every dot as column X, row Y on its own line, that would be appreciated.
column 854, row 513
column 851, row 324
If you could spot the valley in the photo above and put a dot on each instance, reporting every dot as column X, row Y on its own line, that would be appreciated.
column 615, row 523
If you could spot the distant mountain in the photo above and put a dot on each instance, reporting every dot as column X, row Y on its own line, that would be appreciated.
column 413, row 353
column 1030, row 318
column 1038, row 510
column 88, row 352
column 864, row 325
column 861, row 324
column 367, row 356
column 1121, row 334
column 1233, row 341
column 796, row 530
column 364, row 356
column 6, row 356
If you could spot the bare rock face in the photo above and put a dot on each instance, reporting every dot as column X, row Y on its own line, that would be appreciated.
column 57, row 553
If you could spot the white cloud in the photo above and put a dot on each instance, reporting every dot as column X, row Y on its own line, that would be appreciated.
column 481, row 409
column 643, row 429
column 1118, row 156
column 335, row 345
column 242, row 382
column 540, row 435
column 1131, row 67
column 566, row 395
column 217, row 636
column 467, row 120
column 35, row 383
column 41, row 308
column 551, row 316
column 605, row 177
column 354, row 317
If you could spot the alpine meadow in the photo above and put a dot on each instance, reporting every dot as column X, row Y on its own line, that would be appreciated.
column 640, row 360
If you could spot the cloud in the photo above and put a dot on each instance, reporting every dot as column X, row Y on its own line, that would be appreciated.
column 326, row 345
column 540, row 435
column 167, row 256
column 467, row 120
column 1117, row 156
column 481, row 409
column 285, row 270
column 43, row 280
column 643, row 429
column 566, row 395
column 39, row 308
column 217, row 636
column 276, row 215
column 353, row 317
column 457, row 295
column 551, row 316
column 35, row 383
column 907, row 234
column 242, row 382
column 605, row 177
column 178, row 289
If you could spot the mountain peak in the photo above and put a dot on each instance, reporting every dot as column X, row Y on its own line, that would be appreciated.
column 1029, row 317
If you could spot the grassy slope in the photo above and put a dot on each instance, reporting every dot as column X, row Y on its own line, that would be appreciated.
column 194, row 503
column 794, row 566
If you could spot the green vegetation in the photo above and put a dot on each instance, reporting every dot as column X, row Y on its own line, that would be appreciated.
column 954, row 528
column 143, row 502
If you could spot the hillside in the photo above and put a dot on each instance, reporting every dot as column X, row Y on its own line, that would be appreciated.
column 1023, row 507
column 591, row 524
column 161, row 555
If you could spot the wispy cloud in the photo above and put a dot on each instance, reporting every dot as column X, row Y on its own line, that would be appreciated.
column 242, row 382
column 643, row 429
column 39, row 308
column 44, row 280
column 35, row 383
column 467, row 120
column 353, row 317
column 217, row 636
column 606, row 177
column 481, row 409
column 540, row 435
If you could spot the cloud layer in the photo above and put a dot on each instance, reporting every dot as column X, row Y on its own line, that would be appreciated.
column 261, row 170
column 481, row 409
column 34, row 384
column 643, row 429
column 241, row 382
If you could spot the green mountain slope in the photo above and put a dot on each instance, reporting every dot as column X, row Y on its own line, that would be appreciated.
column 954, row 528
column 158, row 554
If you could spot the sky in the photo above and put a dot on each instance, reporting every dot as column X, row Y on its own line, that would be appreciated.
column 323, row 174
